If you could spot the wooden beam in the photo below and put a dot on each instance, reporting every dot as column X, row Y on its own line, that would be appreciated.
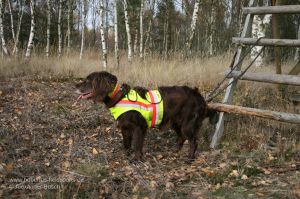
column 273, row 115
column 267, row 42
column 284, row 9
column 267, row 78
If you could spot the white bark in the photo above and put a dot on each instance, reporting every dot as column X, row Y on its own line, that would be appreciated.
column 141, row 30
column 82, row 28
column 59, row 29
column 117, row 56
column 193, row 24
column 21, row 12
column 4, row 48
column 48, row 27
column 32, row 29
column 103, row 43
column 11, row 21
column 259, row 30
column 129, row 42
column 211, row 30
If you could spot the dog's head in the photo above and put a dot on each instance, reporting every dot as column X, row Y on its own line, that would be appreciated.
column 96, row 86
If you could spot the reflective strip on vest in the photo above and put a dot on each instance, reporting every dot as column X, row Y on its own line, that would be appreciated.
column 151, row 108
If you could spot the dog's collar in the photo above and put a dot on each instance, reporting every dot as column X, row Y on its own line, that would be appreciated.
column 115, row 96
column 117, row 88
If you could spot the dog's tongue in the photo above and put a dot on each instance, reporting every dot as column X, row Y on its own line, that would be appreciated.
column 82, row 96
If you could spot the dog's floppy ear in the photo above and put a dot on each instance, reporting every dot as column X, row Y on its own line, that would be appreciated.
column 103, row 84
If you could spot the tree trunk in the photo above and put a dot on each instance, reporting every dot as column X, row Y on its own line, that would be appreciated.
column 70, row 5
column 117, row 56
column 135, row 43
column 11, row 21
column 129, row 42
column 48, row 27
column 82, row 28
column 4, row 48
column 211, row 30
column 141, row 30
column 276, row 35
column 94, row 11
column 147, row 41
column 102, row 33
column 59, row 29
column 32, row 29
column 21, row 12
column 193, row 25
column 297, row 53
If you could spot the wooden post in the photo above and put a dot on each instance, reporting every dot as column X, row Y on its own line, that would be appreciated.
column 230, row 90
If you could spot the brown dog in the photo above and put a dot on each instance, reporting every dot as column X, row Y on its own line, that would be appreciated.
column 183, row 108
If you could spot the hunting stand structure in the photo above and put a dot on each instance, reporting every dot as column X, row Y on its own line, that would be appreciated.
column 291, row 79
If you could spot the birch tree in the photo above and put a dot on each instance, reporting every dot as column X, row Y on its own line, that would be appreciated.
column 193, row 25
column 117, row 56
column 211, row 29
column 11, row 21
column 48, row 26
column 129, row 42
column 147, row 41
column 82, row 28
column 141, row 29
column 70, row 5
column 259, row 30
column 32, row 29
column 59, row 29
column 103, row 43
column 4, row 48
column 20, row 14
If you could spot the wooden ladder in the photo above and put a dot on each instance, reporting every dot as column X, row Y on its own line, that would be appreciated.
column 270, row 78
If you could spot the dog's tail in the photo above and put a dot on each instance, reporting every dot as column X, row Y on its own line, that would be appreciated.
column 213, row 116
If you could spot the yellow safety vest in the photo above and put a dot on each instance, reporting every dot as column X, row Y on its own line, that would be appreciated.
column 150, row 108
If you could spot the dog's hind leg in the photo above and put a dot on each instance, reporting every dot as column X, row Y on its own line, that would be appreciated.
column 180, row 138
column 189, row 130
column 127, row 139
column 138, row 142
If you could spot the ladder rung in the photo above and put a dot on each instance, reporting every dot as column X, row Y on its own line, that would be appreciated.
column 267, row 42
column 273, row 115
column 286, row 9
column 267, row 78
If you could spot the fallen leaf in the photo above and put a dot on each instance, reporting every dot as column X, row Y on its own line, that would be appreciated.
column 169, row 186
column 234, row 173
column 244, row 177
column 208, row 172
column 9, row 167
column 159, row 157
column 153, row 185
column 66, row 164
column 297, row 192
column 95, row 152
column 222, row 165
column 136, row 188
